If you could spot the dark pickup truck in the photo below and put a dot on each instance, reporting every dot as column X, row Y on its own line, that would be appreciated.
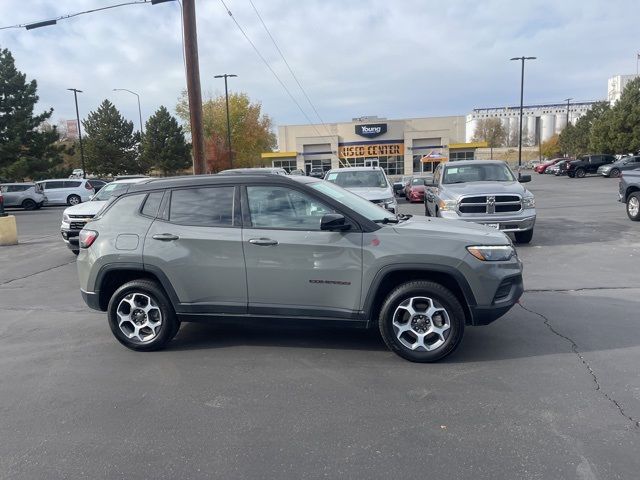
column 630, row 192
column 588, row 164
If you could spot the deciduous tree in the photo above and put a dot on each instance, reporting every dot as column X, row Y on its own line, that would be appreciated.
column 492, row 131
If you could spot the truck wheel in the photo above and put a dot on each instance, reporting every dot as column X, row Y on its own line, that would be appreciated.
column 141, row 316
column 523, row 237
column 580, row 173
column 633, row 206
column 422, row 321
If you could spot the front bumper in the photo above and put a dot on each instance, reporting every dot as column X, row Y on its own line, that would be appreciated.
column 522, row 222
column 512, row 290
column 71, row 238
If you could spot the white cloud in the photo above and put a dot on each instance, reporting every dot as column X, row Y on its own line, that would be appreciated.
column 406, row 58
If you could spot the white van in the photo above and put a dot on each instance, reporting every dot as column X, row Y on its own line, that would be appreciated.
column 63, row 191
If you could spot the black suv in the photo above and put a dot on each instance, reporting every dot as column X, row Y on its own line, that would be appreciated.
column 588, row 164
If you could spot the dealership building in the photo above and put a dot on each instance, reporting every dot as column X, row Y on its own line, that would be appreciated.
column 401, row 147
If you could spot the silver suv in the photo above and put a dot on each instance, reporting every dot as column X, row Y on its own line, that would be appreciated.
column 485, row 192
column 271, row 248
column 26, row 195
column 368, row 182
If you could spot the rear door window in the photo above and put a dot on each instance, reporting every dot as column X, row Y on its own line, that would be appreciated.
column 203, row 207
column 72, row 184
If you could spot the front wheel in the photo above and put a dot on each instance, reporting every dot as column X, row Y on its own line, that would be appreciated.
column 29, row 204
column 615, row 173
column 523, row 237
column 141, row 316
column 580, row 173
column 422, row 321
column 633, row 206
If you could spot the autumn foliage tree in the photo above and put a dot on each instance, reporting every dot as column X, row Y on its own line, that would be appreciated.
column 251, row 130
column 492, row 131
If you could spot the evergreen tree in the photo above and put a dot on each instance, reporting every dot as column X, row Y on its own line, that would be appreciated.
column 619, row 130
column 27, row 142
column 111, row 148
column 574, row 139
column 163, row 145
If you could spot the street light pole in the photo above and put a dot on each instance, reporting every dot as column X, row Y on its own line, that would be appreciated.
column 522, row 59
column 139, row 109
column 226, row 95
column 75, row 96
column 567, row 100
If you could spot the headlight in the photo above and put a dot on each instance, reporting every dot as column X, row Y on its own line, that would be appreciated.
column 65, row 218
column 492, row 253
column 529, row 202
column 447, row 204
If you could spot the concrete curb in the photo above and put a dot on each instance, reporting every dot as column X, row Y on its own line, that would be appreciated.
column 8, row 230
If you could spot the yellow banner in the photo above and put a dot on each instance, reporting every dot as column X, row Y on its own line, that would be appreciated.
column 380, row 150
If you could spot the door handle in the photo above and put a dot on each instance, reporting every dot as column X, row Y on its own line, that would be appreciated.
column 263, row 242
column 165, row 237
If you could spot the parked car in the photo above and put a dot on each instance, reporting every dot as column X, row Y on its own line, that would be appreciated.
column 370, row 183
column 629, row 192
column 317, row 172
column 588, row 164
column 98, row 183
column 559, row 168
column 65, row 191
column 616, row 168
column 414, row 191
column 296, row 172
column 542, row 167
column 482, row 191
column 74, row 218
column 400, row 184
column 25, row 195
column 164, row 253
column 267, row 170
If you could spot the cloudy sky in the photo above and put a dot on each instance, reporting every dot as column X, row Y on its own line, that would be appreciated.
column 400, row 59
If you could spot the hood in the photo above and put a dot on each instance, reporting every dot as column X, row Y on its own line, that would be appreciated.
column 372, row 193
column 417, row 188
column 484, row 188
column 86, row 208
column 473, row 232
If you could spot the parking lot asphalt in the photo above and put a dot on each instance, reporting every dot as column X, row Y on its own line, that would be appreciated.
column 549, row 391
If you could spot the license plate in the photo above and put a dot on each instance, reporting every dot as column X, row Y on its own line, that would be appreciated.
column 493, row 225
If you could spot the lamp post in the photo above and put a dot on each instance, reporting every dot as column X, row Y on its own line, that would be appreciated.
column 139, row 110
column 75, row 96
column 226, row 94
column 567, row 100
column 522, row 59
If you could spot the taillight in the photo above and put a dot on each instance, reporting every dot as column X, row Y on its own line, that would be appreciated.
column 88, row 185
column 87, row 237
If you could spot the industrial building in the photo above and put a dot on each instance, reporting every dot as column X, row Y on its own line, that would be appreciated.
column 616, row 85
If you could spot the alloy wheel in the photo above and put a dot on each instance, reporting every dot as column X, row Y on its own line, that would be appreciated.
column 633, row 206
column 421, row 324
column 139, row 317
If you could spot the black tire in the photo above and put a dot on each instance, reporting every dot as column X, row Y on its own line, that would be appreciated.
column 441, row 298
column 523, row 237
column 144, row 288
column 580, row 173
column 38, row 206
column 633, row 200
column 73, row 200
column 29, row 204
column 614, row 173
column 571, row 175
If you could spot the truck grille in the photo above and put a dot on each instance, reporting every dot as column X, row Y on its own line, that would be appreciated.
column 490, row 204
column 79, row 221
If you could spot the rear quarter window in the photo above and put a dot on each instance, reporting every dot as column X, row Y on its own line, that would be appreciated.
column 69, row 184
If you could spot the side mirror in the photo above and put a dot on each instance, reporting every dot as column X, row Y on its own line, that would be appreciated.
column 334, row 222
column 524, row 178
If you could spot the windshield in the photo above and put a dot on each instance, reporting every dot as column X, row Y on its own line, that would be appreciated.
column 109, row 190
column 359, row 179
column 487, row 172
column 353, row 201
column 417, row 181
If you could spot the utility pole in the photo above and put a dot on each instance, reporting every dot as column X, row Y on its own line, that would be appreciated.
column 193, row 84
column 568, row 100
column 521, row 107
column 75, row 96
column 226, row 95
column 139, row 109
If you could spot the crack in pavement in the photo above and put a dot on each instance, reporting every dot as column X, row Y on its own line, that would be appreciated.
column 574, row 348
column 36, row 273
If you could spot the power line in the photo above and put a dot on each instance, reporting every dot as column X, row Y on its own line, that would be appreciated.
column 269, row 67
column 52, row 21
column 289, row 67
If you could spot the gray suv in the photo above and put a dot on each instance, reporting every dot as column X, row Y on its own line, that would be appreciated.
column 485, row 192
column 271, row 248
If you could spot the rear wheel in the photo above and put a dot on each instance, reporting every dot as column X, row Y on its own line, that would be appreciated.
column 73, row 200
column 615, row 173
column 141, row 316
column 29, row 204
column 422, row 321
column 633, row 206
column 523, row 237
column 580, row 173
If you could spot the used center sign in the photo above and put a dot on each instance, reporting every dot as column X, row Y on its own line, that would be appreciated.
column 378, row 150
column 371, row 130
